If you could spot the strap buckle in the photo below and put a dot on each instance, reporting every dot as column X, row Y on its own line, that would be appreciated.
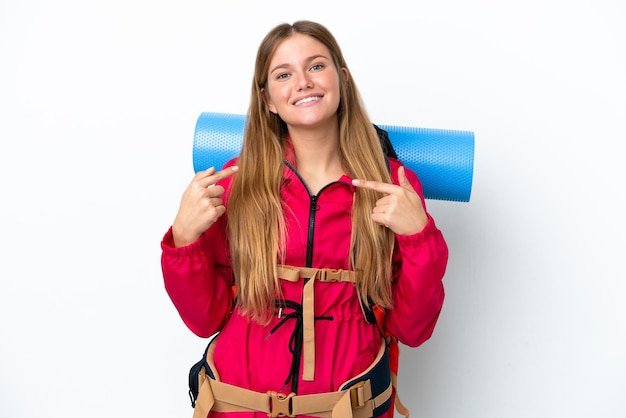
column 280, row 404
column 357, row 395
column 329, row 275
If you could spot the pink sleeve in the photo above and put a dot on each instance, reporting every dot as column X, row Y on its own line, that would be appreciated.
column 198, row 281
column 418, row 291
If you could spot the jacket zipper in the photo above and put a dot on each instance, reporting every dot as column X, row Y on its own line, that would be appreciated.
column 312, row 209
column 311, row 233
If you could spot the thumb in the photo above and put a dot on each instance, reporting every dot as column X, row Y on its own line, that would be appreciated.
column 402, row 180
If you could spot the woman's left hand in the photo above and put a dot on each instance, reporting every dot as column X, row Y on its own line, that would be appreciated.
column 401, row 208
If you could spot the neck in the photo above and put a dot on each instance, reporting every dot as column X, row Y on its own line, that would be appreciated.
column 315, row 145
column 317, row 156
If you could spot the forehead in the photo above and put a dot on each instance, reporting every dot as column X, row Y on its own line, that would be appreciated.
column 296, row 48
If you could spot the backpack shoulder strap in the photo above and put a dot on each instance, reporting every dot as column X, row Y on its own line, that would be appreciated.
column 385, row 142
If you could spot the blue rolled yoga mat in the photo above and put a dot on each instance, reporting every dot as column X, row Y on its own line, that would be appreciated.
column 442, row 159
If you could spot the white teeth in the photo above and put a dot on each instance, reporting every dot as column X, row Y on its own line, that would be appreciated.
column 308, row 99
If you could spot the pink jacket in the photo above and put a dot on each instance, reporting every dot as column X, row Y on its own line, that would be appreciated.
column 198, row 280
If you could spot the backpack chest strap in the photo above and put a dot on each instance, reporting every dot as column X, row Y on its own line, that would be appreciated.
column 293, row 274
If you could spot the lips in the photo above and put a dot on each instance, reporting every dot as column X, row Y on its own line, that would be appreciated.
column 307, row 100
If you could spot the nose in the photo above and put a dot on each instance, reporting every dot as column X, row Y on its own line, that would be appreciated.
column 304, row 81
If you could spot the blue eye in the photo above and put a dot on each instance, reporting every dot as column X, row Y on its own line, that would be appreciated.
column 282, row 76
column 317, row 67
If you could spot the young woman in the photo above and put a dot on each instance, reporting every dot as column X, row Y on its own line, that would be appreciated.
column 291, row 248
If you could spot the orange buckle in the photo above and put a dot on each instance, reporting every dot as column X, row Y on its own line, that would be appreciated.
column 280, row 404
column 357, row 395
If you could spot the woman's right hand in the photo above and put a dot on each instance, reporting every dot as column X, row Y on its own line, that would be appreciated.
column 200, row 206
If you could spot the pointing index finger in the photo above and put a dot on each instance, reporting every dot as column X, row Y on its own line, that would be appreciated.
column 225, row 173
column 377, row 186
column 213, row 177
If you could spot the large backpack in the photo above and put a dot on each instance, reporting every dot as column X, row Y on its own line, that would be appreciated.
column 373, row 314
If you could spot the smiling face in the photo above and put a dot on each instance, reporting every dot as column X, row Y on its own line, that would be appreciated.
column 303, row 85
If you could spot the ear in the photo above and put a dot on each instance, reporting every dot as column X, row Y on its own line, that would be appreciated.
column 345, row 73
column 268, row 102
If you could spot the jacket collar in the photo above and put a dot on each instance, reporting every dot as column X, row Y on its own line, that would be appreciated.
column 290, row 157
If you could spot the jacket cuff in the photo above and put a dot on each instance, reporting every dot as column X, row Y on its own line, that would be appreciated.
column 195, row 248
column 429, row 229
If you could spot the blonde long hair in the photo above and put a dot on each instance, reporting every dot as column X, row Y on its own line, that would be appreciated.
column 255, row 212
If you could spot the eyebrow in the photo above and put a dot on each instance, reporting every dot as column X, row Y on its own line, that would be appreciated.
column 309, row 59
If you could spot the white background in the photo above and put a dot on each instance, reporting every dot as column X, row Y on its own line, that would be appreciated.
column 98, row 104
